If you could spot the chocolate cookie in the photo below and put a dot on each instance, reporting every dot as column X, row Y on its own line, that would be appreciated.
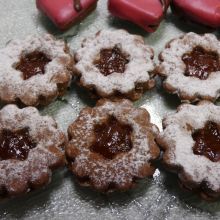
column 115, row 63
column 31, row 147
column 190, row 66
column 112, row 145
column 34, row 71
column 191, row 144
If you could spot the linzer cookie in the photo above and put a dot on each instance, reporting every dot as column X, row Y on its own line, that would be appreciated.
column 146, row 13
column 30, row 148
column 205, row 12
column 191, row 144
column 65, row 13
column 34, row 71
column 112, row 145
column 115, row 63
column 190, row 65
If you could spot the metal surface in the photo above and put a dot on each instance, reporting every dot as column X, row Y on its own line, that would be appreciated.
column 159, row 198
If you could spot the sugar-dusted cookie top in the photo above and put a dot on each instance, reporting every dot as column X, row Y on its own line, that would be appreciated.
column 111, row 145
column 34, row 70
column 115, row 62
column 191, row 67
column 30, row 147
column 191, row 143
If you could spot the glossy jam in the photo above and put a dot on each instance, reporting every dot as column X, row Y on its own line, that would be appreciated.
column 200, row 63
column 207, row 141
column 111, row 60
column 32, row 64
column 15, row 145
column 112, row 138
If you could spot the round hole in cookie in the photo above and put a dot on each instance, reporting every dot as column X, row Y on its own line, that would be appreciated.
column 32, row 64
column 112, row 138
column 111, row 60
column 15, row 145
column 207, row 141
column 200, row 63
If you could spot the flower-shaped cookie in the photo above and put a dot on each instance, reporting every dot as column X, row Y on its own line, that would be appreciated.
column 112, row 145
column 191, row 67
column 34, row 71
column 30, row 147
column 115, row 63
column 191, row 144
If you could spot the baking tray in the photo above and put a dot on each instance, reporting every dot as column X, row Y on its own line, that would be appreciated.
column 158, row 198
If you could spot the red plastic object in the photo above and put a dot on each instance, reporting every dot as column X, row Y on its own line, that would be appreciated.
column 206, row 12
column 145, row 13
column 65, row 13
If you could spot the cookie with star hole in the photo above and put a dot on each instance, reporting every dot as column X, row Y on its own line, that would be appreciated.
column 114, row 63
column 35, row 70
column 191, row 144
column 112, row 145
column 190, row 67
column 31, row 146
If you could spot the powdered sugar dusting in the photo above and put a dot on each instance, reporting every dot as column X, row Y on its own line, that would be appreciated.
column 13, row 86
column 123, row 167
column 180, row 142
column 173, row 68
column 137, row 70
column 43, row 131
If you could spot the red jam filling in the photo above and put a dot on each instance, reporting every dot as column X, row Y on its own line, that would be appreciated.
column 32, row 64
column 112, row 138
column 207, row 141
column 111, row 60
column 15, row 145
column 200, row 63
